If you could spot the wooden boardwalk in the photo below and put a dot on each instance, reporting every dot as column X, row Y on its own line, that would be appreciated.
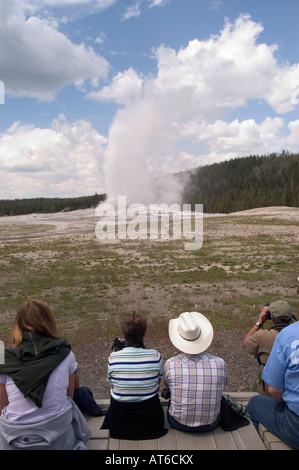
column 245, row 438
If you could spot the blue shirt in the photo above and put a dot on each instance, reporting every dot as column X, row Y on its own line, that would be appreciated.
column 282, row 368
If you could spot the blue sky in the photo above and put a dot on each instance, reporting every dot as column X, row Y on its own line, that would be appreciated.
column 106, row 95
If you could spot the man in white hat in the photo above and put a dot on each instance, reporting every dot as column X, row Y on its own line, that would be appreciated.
column 195, row 378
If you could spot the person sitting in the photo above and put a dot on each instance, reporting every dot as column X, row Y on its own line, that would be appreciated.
column 195, row 378
column 83, row 397
column 280, row 412
column 259, row 341
column 37, row 386
column 135, row 373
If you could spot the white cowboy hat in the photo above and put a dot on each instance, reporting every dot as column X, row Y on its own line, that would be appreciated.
column 191, row 332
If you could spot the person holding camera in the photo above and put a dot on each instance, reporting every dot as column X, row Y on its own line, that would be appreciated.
column 259, row 341
column 135, row 372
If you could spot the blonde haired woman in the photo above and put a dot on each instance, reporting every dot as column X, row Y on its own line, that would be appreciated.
column 37, row 386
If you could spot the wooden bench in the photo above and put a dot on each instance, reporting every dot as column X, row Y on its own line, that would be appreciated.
column 242, row 439
column 272, row 442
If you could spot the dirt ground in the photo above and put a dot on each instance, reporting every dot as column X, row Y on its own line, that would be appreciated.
column 227, row 343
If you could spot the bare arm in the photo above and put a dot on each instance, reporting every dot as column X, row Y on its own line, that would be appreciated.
column 275, row 393
column 255, row 328
column 3, row 397
column 71, row 387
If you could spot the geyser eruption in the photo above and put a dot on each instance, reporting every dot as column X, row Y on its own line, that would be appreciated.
column 135, row 157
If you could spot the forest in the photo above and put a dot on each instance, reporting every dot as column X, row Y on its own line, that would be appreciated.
column 10, row 207
column 234, row 185
column 244, row 183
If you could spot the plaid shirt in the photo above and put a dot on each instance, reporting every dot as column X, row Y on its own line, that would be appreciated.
column 196, row 384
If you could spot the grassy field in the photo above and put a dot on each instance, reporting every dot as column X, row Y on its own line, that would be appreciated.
column 244, row 262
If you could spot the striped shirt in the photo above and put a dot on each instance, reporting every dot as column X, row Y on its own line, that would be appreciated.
column 134, row 373
column 196, row 384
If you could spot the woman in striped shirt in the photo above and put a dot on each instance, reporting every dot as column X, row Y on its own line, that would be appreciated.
column 135, row 373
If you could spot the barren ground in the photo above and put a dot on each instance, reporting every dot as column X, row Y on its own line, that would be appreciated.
column 247, row 259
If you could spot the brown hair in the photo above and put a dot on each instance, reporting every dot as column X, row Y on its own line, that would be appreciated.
column 134, row 326
column 33, row 316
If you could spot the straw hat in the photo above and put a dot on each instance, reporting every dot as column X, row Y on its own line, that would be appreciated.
column 191, row 332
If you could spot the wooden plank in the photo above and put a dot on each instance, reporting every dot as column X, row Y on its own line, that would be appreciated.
column 205, row 441
column 186, row 441
column 251, row 438
column 238, row 440
column 246, row 437
column 125, row 444
column 113, row 444
column 272, row 442
column 95, row 422
column 169, row 441
column 243, row 397
column 148, row 444
column 262, row 430
column 223, row 439
column 279, row 446
column 97, row 444
column 100, row 434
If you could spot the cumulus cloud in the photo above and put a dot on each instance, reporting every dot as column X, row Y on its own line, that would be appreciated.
column 124, row 88
column 132, row 11
column 168, row 122
column 177, row 119
column 37, row 60
column 95, row 4
column 239, row 138
column 222, row 72
column 64, row 159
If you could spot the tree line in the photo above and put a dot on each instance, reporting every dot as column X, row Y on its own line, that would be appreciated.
column 230, row 186
column 245, row 183
column 10, row 207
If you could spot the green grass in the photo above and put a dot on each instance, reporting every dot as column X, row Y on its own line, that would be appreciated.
column 91, row 284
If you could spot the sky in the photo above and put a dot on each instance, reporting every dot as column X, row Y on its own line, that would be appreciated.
column 114, row 95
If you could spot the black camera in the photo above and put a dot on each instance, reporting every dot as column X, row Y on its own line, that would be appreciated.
column 165, row 393
column 268, row 313
column 119, row 343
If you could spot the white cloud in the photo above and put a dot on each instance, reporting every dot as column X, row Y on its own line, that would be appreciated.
column 97, row 4
column 167, row 122
column 132, row 11
column 101, row 38
column 293, row 140
column 64, row 159
column 196, row 86
column 282, row 89
column 124, row 88
column 237, row 138
column 222, row 72
column 158, row 3
column 37, row 60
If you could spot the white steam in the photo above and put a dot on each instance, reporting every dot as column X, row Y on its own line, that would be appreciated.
column 172, row 121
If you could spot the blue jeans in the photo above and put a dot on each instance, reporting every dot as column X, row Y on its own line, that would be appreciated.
column 182, row 427
column 276, row 417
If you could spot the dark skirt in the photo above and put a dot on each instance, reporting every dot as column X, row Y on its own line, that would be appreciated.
column 135, row 421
